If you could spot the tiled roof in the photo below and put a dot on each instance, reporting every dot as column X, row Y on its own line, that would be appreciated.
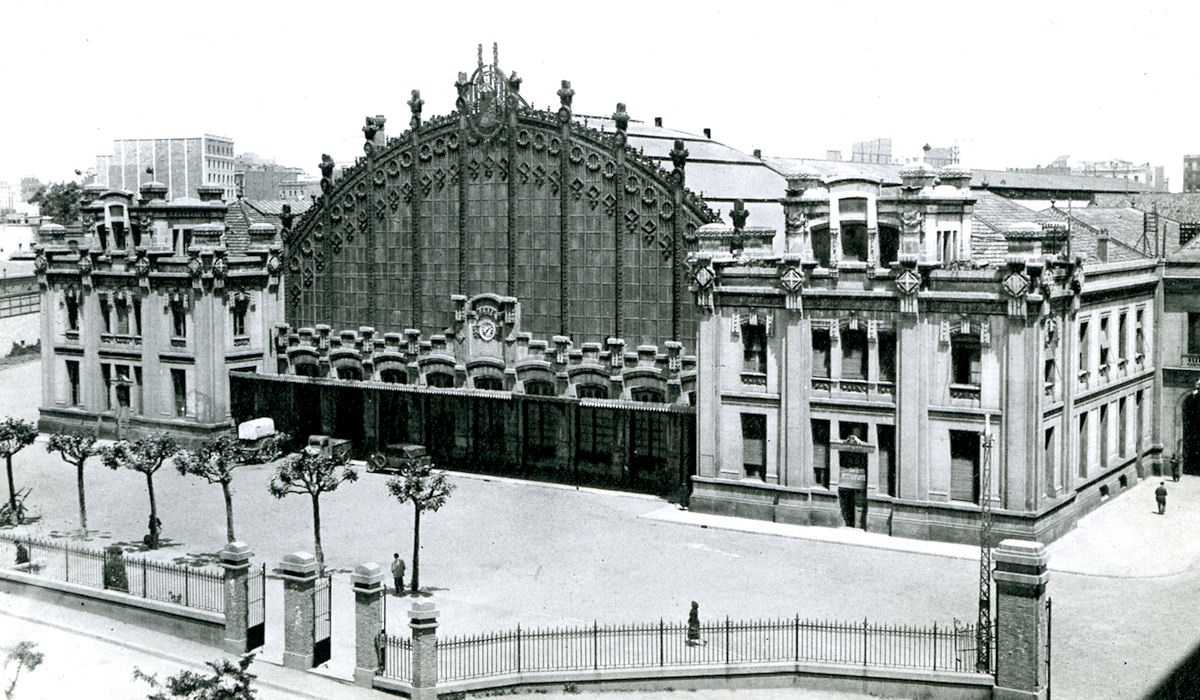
column 1084, row 234
column 244, row 213
column 1183, row 207
column 992, row 214
column 996, row 179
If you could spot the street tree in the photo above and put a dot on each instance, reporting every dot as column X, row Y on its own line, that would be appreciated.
column 427, row 492
column 75, row 448
column 312, row 473
column 228, row 681
column 215, row 462
column 15, row 435
column 146, row 455
column 26, row 657
column 59, row 201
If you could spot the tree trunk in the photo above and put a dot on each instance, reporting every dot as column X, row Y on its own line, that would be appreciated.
column 82, row 499
column 228, row 511
column 416, row 585
column 153, row 543
column 12, row 490
column 317, row 533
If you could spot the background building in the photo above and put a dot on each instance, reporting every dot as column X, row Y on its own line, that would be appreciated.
column 1191, row 173
column 184, row 165
column 259, row 178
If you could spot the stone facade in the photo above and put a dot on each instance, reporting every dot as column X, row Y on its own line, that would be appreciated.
column 850, row 381
column 146, row 312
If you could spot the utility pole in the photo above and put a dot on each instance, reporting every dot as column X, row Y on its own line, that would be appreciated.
column 983, row 627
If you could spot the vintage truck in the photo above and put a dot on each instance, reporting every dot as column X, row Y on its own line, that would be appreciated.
column 259, row 441
column 397, row 456
column 335, row 448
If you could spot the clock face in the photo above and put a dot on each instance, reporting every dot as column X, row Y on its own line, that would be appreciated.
column 486, row 329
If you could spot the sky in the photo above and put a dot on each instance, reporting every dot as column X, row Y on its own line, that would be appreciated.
column 1013, row 84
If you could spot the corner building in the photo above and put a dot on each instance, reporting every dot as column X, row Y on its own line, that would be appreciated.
column 854, row 379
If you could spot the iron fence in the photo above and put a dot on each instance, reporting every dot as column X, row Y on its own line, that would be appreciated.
column 396, row 657
column 153, row 580
column 666, row 644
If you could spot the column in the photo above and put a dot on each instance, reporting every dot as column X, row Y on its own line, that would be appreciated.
column 422, row 618
column 1021, row 620
column 235, row 557
column 367, row 581
column 299, row 574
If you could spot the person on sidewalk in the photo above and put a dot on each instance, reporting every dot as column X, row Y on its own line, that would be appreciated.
column 1160, row 495
column 1176, row 468
column 398, row 573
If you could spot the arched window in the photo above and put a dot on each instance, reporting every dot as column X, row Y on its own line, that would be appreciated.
column 647, row 395
column 349, row 372
column 591, row 391
column 489, row 382
column 442, row 380
column 394, row 376
column 305, row 369
column 539, row 388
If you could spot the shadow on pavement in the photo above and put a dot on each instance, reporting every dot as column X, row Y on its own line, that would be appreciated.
column 1183, row 682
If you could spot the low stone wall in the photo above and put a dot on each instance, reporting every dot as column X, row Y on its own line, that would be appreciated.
column 188, row 623
column 808, row 676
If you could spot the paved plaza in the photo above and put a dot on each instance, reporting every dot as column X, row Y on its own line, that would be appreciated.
column 505, row 552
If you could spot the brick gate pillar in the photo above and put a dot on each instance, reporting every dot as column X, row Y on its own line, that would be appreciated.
column 235, row 557
column 367, row 581
column 1021, row 578
column 422, row 618
column 299, row 574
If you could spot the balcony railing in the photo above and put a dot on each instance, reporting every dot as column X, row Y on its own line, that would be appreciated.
column 748, row 378
column 853, row 386
column 822, row 384
column 1190, row 360
column 964, row 391
column 120, row 339
column 241, row 341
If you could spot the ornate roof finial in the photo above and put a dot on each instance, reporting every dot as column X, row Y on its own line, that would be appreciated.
column 566, row 94
column 326, row 172
column 679, row 156
column 463, row 85
column 514, row 82
column 415, row 103
column 738, row 215
column 621, row 117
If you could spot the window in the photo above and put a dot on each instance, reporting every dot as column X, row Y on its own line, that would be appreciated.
column 1050, row 376
column 1193, row 333
column 820, row 352
column 754, row 349
column 754, row 445
column 1121, row 344
column 594, row 433
column 947, row 242
column 854, row 242
column 181, row 240
column 178, row 320
column 393, row 376
column 1122, row 446
column 647, row 395
column 1104, row 437
column 443, row 380
column 1048, row 460
column 1083, row 445
column 820, row 439
column 73, row 381
column 349, row 372
column 1139, row 340
column 137, row 316
column 239, row 319
column 889, row 246
column 106, row 379
column 122, row 316
column 306, row 369
column 541, row 421
column 854, row 354
column 887, row 356
column 490, row 383
column 1103, row 341
column 591, row 391
column 123, row 383
column 106, row 314
column 964, row 466
column 1084, row 350
column 179, row 382
column 820, row 245
column 886, row 435
column 965, row 360
column 72, row 312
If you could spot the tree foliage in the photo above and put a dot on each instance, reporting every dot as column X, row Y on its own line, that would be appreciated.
column 427, row 491
column 311, row 473
column 25, row 656
column 215, row 462
column 228, row 681
column 146, row 456
column 59, row 201
column 75, row 449
column 15, row 435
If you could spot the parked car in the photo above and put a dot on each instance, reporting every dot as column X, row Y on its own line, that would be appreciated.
column 259, row 441
column 397, row 456
column 335, row 448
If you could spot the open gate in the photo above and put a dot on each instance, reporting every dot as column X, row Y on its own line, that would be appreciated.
column 322, row 611
column 256, row 609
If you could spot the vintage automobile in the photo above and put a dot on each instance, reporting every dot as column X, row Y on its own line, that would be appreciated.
column 397, row 456
column 335, row 448
column 259, row 441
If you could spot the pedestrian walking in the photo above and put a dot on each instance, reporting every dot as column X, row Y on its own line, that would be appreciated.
column 398, row 573
column 1160, row 495
column 693, row 628
column 1176, row 468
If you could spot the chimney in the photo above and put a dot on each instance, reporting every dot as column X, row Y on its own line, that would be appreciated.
column 707, row 133
column 658, row 121
column 1102, row 245
column 758, row 153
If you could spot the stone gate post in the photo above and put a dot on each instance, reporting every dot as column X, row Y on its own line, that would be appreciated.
column 299, row 574
column 1021, row 578
column 422, row 618
column 235, row 557
column 367, row 581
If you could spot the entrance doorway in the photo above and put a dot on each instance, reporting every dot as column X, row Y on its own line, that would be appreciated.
column 1191, row 433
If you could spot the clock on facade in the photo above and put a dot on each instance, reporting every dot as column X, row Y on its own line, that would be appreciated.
column 486, row 329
